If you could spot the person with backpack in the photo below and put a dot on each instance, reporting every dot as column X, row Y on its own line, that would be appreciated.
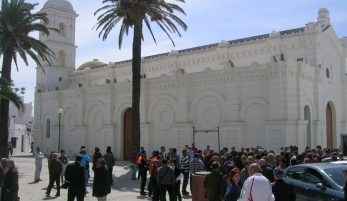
column 166, row 180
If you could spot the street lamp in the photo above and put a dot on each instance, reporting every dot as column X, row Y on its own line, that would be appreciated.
column 59, row 111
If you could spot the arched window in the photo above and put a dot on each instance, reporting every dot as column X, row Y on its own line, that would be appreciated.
column 61, row 58
column 62, row 28
column 48, row 128
column 307, row 115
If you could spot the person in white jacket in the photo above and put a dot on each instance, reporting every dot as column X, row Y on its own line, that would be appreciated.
column 38, row 163
column 256, row 187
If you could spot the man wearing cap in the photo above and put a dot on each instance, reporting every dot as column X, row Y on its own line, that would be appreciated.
column 38, row 163
column 143, row 168
column 282, row 190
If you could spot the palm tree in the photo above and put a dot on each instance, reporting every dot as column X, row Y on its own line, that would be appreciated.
column 8, row 92
column 16, row 23
column 132, row 14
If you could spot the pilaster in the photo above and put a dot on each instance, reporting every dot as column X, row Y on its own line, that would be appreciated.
column 274, row 93
column 143, row 101
column 232, row 96
column 184, row 133
column 182, row 99
column 232, row 134
column 38, row 136
column 81, row 138
column 319, row 129
column 146, row 129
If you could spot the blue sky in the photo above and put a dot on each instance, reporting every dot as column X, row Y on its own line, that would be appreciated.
column 208, row 22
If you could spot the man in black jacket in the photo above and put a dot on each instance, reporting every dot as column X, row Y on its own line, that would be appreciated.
column 74, row 174
column 10, row 186
column 143, row 168
column 178, row 178
column 281, row 190
column 266, row 171
column 102, row 181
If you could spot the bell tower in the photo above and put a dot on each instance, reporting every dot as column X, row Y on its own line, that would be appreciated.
column 61, row 16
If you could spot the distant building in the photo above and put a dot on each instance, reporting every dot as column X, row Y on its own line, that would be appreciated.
column 20, row 128
column 271, row 90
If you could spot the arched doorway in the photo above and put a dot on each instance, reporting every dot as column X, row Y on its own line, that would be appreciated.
column 307, row 116
column 127, row 135
column 329, row 125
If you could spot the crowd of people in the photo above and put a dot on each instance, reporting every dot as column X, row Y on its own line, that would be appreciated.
column 77, row 174
column 250, row 173
column 247, row 174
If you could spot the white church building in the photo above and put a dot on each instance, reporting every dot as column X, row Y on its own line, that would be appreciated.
column 280, row 88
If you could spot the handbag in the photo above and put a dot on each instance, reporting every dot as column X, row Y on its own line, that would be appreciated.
column 250, row 192
column 65, row 185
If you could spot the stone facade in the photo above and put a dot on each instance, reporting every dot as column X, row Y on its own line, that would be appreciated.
column 254, row 89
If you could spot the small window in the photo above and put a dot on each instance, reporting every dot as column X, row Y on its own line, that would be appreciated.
column 327, row 71
column 296, row 173
column 62, row 28
column 48, row 128
column 60, row 79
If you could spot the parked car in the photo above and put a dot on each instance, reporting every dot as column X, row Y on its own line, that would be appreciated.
column 328, row 159
column 316, row 181
column 344, row 162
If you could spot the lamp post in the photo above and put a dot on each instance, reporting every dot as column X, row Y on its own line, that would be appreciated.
column 59, row 111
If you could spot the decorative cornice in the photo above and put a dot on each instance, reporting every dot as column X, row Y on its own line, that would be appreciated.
column 233, row 124
column 183, row 125
column 286, row 123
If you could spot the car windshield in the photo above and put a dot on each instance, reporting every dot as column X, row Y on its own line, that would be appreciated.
column 336, row 175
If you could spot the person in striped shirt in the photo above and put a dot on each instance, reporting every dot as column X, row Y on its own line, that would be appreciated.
column 195, row 165
column 185, row 170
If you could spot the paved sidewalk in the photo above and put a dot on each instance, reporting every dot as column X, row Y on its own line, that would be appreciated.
column 123, row 188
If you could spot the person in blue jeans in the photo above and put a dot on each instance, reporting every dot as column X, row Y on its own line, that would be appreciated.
column 85, row 159
column 134, row 159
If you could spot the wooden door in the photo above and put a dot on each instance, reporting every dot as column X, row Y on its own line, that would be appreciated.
column 329, row 125
column 127, row 135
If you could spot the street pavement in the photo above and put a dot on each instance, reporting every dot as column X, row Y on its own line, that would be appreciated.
column 123, row 188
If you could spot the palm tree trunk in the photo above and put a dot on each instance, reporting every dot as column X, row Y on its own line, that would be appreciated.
column 4, row 105
column 136, row 68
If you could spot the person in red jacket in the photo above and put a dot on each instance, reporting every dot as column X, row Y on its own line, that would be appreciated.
column 193, row 148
